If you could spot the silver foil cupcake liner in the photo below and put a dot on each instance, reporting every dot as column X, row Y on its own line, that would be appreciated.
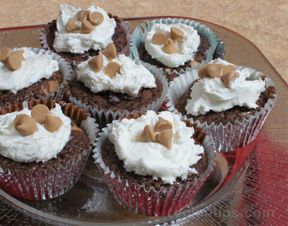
column 105, row 116
column 151, row 201
column 216, row 48
column 229, row 136
column 46, row 181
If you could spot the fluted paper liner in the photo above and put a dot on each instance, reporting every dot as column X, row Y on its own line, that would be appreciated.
column 151, row 201
column 140, row 32
column 123, row 25
column 52, row 178
column 229, row 136
column 105, row 116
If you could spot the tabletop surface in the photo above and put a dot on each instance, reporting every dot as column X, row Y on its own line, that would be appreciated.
column 262, row 22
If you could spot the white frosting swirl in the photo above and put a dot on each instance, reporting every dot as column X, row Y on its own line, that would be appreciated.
column 211, row 93
column 151, row 158
column 99, row 38
column 35, row 66
column 131, row 79
column 41, row 146
column 187, row 48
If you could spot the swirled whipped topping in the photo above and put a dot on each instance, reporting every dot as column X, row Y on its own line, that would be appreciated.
column 211, row 94
column 77, row 42
column 130, row 80
column 152, row 158
column 186, row 47
column 41, row 146
column 35, row 66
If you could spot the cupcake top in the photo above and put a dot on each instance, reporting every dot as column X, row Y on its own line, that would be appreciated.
column 156, row 145
column 223, row 86
column 108, row 72
column 172, row 44
column 20, row 68
column 32, row 135
column 80, row 30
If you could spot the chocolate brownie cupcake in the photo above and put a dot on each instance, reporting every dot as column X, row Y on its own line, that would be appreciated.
column 78, row 34
column 173, row 44
column 30, row 73
column 154, row 164
column 230, row 102
column 111, row 86
column 44, row 148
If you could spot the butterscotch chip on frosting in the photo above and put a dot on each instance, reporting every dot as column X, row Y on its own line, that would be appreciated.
column 4, row 53
column 169, row 47
column 95, row 18
column 176, row 33
column 25, row 125
column 110, row 51
column 73, row 25
column 87, row 27
column 165, row 138
column 229, row 77
column 215, row 70
column 162, row 124
column 228, row 68
column 52, row 123
column 159, row 38
column 112, row 68
column 96, row 63
column 83, row 14
column 14, row 61
column 39, row 113
column 147, row 135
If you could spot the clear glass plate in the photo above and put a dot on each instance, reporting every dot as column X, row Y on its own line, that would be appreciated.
column 248, row 186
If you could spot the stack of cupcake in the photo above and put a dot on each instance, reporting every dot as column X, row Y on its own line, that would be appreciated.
column 154, row 162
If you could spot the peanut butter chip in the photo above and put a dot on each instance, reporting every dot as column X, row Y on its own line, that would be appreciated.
column 169, row 47
column 110, row 51
column 165, row 138
column 228, row 78
column 83, row 15
column 228, row 68
column 4, row 53
column 162, row 124
column 96, row 63
column 53, row 85
column 52, row 123
column 112, row 68
column 76, row 129
column 72, row 26
column 87, row 27
column 95, row 18
column 147, row 135
column 39, row 113
column 214, row 70
column 14, row 61
column 25, row 125
column 159, row 38
column 176, row 33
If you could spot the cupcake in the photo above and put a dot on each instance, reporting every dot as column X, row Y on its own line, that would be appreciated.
column 30, row 73
column 230, row 102
column 174, row 44
column 111, row 85
column 44, row 147
column 154, row 164
column 78, row 34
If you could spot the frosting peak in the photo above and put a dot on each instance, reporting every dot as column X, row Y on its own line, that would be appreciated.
column 34, row 67
column 40, row 146
column 97, row 38
column 174, row 51
column 153, row 158
column 213, row 94
column 129, row 78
